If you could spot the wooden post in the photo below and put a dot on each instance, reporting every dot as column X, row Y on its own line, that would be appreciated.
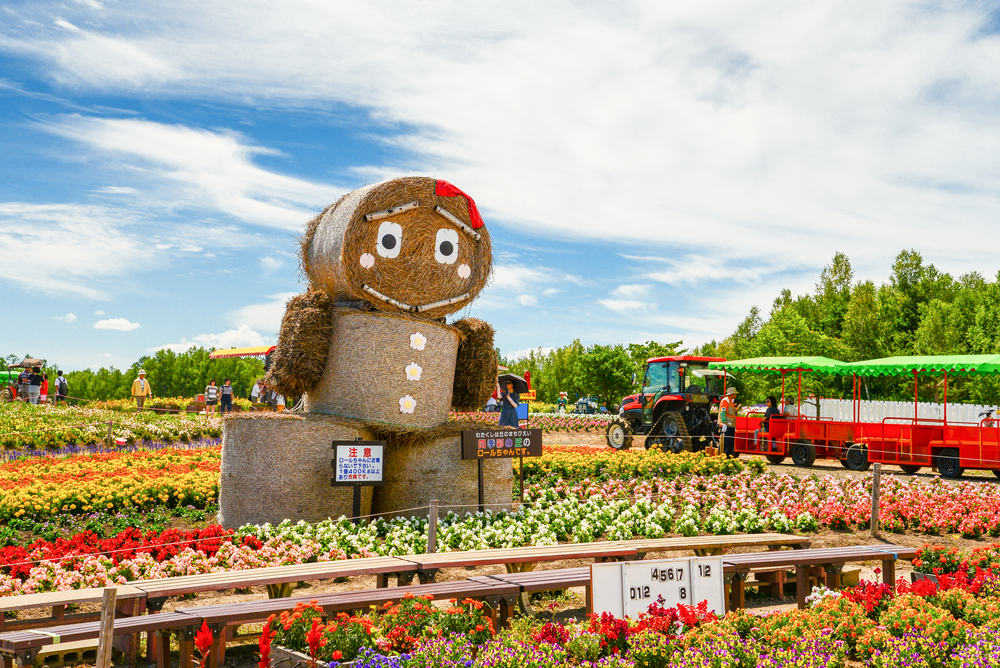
column 482, row 500
column 432, row 527
column 876, row 481
column 108, row 440
column 356, row 505
column 105, row 639
column 520, row 468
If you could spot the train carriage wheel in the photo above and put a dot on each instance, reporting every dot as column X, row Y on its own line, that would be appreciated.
column 996, row 472
column 775, row 459
column 947, row 464
column 910, row 468
column 857, row 458
column 803, row 453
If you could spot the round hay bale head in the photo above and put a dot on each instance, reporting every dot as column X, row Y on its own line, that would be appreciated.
column 476, row 365
column 387, row 369
column 400, row 240
column 277, row 466
column 418, row 470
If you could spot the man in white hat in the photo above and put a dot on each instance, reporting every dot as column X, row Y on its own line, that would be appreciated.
column 141, row 390
column 727, row 418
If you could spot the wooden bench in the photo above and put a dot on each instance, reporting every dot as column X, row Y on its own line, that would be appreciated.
column 530, row 582
column 129, row 598
column 706, row 546
column 827, row 562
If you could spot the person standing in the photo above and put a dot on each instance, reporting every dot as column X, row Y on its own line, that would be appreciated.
column 141, row 390
column 508, row 407
column 226, row 398
column 62, row 388
column 727, row 418
column 34, row 385
column 257, row 393
column 561, row 403
column 43, row 390
column 23, row 381
column 211, row 397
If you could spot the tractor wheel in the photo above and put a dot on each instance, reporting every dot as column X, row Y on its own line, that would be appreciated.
column 996, row 472
column 803, row 453
column 672, row 441
column 913, row 468
column 857, row 458
column 947, row 464
column 619, row 435
column 775, row 459
column 6, row 396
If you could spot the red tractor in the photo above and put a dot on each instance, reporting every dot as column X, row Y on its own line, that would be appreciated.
column 674, row 409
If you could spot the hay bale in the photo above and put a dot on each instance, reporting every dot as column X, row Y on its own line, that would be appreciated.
column 303, row 344
column 476, row 365
column 340, row 249
column 429, row 465
column 277, row 466
column 366, row 372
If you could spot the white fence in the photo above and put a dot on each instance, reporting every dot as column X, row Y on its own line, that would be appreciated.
column 876, row 411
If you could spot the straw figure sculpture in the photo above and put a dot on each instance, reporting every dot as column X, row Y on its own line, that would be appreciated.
column 368, row 348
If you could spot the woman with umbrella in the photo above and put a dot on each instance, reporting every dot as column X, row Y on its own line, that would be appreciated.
column 509, row 398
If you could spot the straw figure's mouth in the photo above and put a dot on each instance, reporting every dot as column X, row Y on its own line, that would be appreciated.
column 403, row 306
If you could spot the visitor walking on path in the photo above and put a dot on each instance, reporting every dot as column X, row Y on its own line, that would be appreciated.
column 62, row 388
column 508, row 406
column 727, row 418
column 211, row 397
column 226, row 399
column 141, row 390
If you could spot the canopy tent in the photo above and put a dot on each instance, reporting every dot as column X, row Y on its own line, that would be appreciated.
column 822, row 365
column 957, row 365
column 256, row 351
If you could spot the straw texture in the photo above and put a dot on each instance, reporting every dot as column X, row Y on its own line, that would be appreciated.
column 303, row 344
column 338, row 240
column 421, row 467
column 476, row 365
column 279, row 467
column 366, row 372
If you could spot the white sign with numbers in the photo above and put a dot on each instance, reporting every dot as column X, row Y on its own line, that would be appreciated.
column 627, row 588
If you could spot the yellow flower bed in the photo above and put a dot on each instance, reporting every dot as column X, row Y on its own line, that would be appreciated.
column 578, row 462
column 86, row 483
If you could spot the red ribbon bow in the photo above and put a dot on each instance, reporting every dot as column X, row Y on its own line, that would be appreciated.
column 445, row 189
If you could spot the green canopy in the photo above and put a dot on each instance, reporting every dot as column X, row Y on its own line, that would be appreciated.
column 823, row 365
column 958, row 365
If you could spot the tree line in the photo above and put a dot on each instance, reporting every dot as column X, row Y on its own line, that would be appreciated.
column 920, row 310
column 170, row 374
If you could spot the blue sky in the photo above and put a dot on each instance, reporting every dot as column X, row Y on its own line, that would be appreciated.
column 647, row 170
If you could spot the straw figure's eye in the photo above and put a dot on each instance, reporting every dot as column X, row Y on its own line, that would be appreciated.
column 446, row 246
column 390, row 238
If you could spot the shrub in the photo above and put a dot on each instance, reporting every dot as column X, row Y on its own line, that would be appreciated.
column 909, row 613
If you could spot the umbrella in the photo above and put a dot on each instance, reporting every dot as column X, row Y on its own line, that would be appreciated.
column 29, row 362
column 520, row 385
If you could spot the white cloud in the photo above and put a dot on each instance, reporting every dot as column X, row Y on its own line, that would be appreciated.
column 69, row 317
column 527, row 300
column 98, row 312
column 662, row 123
column 520, row 354
column 624, row 306
column 632, row 291
column 121, row 324
column 242, row 337
column 86, row 244
column 269, row 264
column 116, row 190
column 266, row 317
column 548, row 292
column 200, row 168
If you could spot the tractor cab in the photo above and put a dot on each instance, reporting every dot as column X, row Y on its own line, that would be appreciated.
column 673, row 407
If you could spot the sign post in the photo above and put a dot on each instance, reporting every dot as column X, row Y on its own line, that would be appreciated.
column 358, row 464
column 500, row 444
column 627, row 588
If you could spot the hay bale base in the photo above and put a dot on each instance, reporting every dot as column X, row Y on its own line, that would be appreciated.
column 366, row 371
column 420, row 470
column 277, row 466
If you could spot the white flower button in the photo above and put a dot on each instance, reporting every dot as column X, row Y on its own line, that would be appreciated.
column 407, row 404
column 367, row 260
column 418, row 341
column 464, row 271
column 413, row 371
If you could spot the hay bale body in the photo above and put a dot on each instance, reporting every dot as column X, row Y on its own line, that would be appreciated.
column 340, row 250
column 303, row 344
column 278, row 466
column 366, row 371
column 420, row 469
column 476, row 365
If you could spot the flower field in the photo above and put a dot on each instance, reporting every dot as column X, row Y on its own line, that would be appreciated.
column 24, row 427
column 548, row 422
column 952, row 624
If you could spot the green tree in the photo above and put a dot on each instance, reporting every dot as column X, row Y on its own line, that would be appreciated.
column 864, row 326
column 607, row 372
